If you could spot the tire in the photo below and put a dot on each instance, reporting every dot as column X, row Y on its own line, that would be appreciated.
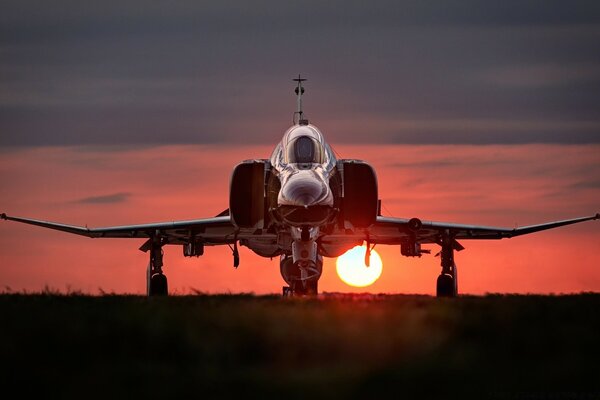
column 446, row 286
column 311, row 288
column 158, row 285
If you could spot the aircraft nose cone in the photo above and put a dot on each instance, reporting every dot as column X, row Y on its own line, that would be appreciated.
column 302, row 189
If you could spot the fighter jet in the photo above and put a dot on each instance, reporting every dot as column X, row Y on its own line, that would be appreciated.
column 302, row 204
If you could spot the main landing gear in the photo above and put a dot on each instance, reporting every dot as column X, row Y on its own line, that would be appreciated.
column 156, row 280
column 447, row 282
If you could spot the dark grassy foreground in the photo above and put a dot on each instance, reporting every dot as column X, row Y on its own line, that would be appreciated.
column 337, row 346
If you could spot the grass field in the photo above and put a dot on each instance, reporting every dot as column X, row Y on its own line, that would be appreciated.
column 335, row 346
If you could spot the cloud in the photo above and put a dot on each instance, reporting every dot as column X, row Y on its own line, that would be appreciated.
column 105, row 199
column 543, row 75
column 220, row 72
column 593, row 182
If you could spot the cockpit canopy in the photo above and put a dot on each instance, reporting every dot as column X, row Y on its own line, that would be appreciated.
column 304, row 150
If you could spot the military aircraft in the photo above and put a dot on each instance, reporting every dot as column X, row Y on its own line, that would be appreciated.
column 302, row 204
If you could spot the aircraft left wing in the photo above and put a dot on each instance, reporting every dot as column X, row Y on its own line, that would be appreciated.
column 212, row 231
column 399, row 231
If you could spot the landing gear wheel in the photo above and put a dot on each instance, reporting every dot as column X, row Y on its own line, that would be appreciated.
column 309, row 289
column 156, row 281
column 158, row 285
column 447, row 282
column 446, row 286
column 312, row 288
column 302, row 281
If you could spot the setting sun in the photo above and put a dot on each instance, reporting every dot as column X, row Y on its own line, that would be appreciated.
column 352, row 270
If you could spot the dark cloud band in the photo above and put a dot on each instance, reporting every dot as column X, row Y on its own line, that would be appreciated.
column 389, row 72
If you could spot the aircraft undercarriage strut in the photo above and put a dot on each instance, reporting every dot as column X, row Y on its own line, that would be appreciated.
column 447, row 282
column 156, row 280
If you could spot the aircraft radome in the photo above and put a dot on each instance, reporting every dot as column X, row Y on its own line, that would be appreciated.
column 302, row 204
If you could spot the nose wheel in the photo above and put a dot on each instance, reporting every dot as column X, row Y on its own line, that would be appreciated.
column 302, row 279
column 298, row 289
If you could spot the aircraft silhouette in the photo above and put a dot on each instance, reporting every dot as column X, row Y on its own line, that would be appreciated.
column 302, row 204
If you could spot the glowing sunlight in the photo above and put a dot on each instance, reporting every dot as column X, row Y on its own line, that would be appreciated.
column 352, row 270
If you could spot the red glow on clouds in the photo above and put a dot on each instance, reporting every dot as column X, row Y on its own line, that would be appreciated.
column 491, row 185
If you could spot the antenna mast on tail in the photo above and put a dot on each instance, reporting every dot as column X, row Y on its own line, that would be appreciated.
column 299, row 92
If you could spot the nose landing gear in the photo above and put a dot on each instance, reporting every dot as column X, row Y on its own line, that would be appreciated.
column 297, row 289
column 302, row 277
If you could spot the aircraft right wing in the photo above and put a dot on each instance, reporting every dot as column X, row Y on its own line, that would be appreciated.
column 212, row 231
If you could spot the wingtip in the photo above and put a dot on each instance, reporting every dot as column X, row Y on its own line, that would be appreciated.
column 3, row 216
column 596, row 217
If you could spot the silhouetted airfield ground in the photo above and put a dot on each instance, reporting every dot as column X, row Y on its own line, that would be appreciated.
column 335, row 346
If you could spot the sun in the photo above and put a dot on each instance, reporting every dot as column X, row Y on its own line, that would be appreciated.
column 352, row 270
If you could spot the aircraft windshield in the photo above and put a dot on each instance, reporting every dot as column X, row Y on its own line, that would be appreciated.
column 304, row 150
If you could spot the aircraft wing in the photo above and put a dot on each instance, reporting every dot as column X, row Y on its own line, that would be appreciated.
column 212, row 231
column 220, row 230
column 387, row 230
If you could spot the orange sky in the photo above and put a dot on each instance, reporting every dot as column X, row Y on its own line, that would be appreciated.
column 502, row 185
